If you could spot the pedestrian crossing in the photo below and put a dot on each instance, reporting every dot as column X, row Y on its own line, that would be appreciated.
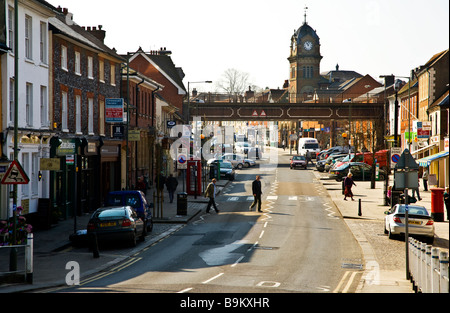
column 273, row 198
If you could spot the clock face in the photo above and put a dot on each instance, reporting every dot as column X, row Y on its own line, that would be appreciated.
column 308, row 45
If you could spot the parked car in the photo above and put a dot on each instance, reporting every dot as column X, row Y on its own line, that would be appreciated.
column 117, row 223
column 298, row 161
column 241, row 147
column 420, row 223
column 134, row 198
column 361, row 171
column 235, row 159
column 331, row 159
column 226, row 169
column 320, row 165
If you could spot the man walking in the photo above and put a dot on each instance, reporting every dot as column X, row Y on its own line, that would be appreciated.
column 257, row 191
column 171, row 184
column 210, row 193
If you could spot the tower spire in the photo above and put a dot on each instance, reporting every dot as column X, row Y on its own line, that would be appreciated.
column 306, row 8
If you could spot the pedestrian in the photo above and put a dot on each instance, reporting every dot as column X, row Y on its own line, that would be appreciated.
column 210, row 193
column 171, row 184
column 348, row 184
column 257, row 191
column 160, row 181
column 389, row 194
column 141, row 185
column 447, row 201
column 416, row 190
column 425, row 179
column 308, row 158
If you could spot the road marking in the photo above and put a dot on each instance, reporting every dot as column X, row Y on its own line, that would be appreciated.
column 185, row 290
column 271, row 284
column 212, row 278
column 265, row 224
column 341, row 282
column 293, row 198
column 237, row 261
column 272, row 197
column 262, row 234
column 349, row 283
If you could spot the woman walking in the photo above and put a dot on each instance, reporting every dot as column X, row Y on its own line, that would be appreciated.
column 348, row 184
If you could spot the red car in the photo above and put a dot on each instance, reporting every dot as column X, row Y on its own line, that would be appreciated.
column 298, row 161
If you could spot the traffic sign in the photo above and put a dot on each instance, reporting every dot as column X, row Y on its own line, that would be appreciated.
column 15, row 175
column 182, row 158
column 395, row 155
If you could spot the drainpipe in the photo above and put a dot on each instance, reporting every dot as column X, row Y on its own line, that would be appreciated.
column 152, row 146
column 137, row 125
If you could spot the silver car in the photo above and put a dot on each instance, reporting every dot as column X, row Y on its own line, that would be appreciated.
column 419, row 221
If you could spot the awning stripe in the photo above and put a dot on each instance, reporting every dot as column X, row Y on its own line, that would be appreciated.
column 427, row 160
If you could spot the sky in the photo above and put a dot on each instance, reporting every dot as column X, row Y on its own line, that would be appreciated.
column 207, row 37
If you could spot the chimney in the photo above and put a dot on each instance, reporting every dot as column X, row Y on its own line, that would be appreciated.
column 99, row 33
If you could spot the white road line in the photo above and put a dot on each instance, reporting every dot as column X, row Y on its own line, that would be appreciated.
column 212, row 278
column 237, row 261
column 185, row 290
column 262, row 234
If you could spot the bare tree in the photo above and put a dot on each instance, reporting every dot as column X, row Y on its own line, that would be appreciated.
column 233, row 82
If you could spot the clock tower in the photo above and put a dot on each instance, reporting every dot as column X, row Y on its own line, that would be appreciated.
column 304, row 61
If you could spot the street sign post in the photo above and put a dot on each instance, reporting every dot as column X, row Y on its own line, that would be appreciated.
column 15, row 175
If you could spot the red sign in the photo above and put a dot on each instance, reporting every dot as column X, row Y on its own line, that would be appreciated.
column 15, row 175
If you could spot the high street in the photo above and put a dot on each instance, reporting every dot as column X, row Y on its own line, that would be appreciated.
column 298, row 244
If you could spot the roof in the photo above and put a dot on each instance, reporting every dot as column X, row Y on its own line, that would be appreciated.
column 63, row 24
column 305, row 30
column 163, row 62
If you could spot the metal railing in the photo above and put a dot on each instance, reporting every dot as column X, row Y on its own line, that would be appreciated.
column 27, row 271
column 428, row 268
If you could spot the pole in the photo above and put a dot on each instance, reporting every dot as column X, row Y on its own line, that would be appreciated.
column 407, row 233
column 13, row 253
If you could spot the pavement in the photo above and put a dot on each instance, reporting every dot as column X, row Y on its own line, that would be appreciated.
column 53, row 250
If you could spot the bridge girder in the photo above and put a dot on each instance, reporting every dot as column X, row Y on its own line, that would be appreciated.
column 286, row 111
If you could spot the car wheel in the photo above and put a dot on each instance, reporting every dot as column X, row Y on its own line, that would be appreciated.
column 247, row 165
column 430, row 240
column 239, row 166
column 385, row 230
column 149, row 226
column 390, row 234
column 133, row 240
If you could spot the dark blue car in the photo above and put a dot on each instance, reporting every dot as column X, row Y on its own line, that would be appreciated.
column 134, row 198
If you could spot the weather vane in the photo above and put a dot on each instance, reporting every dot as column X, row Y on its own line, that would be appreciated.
column 306, row 8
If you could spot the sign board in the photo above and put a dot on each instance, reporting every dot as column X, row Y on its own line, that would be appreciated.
column 182, row 158
column 118, row 131
column 406, row 161
column 134, row 135
column 70, row 159
column 50, row 164
column 396, row 152
column 171, row 124
column 15, row 175
column 114, row 110
column 408, row 180
column 3, row 168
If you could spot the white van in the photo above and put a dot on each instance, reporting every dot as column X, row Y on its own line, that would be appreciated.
column 311, row 144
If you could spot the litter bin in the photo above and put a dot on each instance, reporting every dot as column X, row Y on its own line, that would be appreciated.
column 437, row 204
column 182, row 203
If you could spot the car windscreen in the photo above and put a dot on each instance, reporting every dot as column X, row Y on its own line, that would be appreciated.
column 225, row 165
column 311, row 146
column 112, row 214
column 299, row 157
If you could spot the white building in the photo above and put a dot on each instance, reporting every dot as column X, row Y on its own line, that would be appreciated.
column 34, row 58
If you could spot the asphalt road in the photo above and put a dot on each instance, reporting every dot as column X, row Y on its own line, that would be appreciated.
column 300, row 243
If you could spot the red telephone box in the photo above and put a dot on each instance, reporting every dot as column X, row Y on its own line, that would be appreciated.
column 194, row 177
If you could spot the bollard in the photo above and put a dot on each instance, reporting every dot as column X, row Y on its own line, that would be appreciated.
column 434, row 269
column 443, row 270
column 359, row 207
column 94, row 245
column 29, row 258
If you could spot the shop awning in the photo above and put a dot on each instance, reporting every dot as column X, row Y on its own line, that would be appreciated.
column 427, row 160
